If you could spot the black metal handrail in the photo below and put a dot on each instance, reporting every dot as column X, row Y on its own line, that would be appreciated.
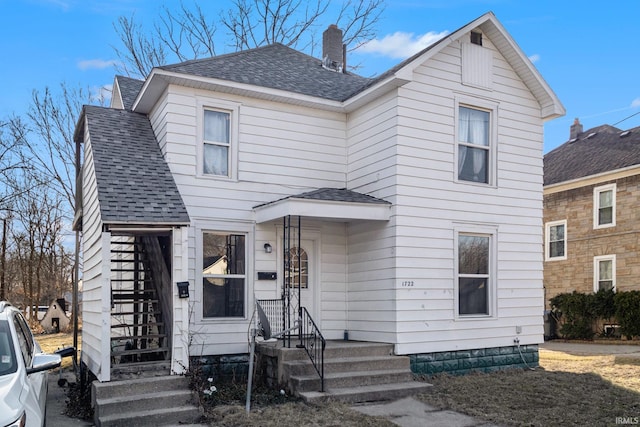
column 313, row 342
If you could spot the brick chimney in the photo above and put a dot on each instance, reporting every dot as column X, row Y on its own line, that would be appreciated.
column 575, row 130
column 333, row 51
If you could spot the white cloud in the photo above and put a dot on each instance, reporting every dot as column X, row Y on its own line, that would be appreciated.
column 102, row 94
column 95, row 64
column 401, row 45
column 534, row 58
column 635, row 103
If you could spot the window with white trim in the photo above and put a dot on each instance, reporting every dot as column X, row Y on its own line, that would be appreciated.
column 223, row 274
column 216, row 149
column 475, row 276
column 475, row 136
column 555, row 248
column 604, row 273
column 604, row 206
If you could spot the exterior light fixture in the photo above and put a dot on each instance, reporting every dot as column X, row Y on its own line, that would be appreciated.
column 267, row 248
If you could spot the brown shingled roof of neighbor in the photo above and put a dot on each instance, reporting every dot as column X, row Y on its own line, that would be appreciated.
column 600, row 149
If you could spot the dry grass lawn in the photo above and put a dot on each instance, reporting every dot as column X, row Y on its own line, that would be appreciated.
column 565, row 390
column 52, row 342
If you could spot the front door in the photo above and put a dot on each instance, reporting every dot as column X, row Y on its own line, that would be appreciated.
column 301, row 276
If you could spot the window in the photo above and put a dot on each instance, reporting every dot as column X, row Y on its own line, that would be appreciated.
column 604, row 206
column 223, row 275
column 298, row 269
column 25, row 339
column 556, row 238
column 474, row 274
column 604, row 277
column 473, row 144
column 8, row 363
column 216, row 142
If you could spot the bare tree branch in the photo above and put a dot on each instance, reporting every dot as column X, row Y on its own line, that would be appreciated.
column 187, row 34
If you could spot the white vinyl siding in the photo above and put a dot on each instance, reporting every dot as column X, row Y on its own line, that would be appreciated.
column 555, row 248
column 604, row 206
column 96, row 350
column 430, row 201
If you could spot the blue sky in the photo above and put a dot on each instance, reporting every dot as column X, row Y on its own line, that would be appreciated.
column 588, row 52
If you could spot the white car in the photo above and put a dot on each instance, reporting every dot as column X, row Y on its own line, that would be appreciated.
column 23, row 372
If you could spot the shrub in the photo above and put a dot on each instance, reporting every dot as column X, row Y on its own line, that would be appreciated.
column 575, row 312
column 627, row 310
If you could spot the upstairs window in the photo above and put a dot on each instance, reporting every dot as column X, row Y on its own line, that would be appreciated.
column 556, row 240
column 473, row 145
column 604, row 206
column 216, row 143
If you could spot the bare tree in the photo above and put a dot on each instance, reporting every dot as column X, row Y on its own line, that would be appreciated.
column 188, row 34
column 36, row 236
column 49, row 132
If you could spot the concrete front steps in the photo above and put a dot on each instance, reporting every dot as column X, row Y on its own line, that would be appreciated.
column 157, row 401
column 355, row 372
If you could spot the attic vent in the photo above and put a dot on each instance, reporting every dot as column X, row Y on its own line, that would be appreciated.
column 625, row 133
column 476, row 38
column 571, row 141
column 591, row 135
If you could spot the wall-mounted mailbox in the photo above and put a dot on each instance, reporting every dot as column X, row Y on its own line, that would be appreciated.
column 267, row 275
column 183, row 289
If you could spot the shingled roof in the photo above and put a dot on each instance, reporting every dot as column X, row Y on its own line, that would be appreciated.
column 129, row 89
column 334, row 195
column 135, row 185
column 277, row 67
column 598, row 150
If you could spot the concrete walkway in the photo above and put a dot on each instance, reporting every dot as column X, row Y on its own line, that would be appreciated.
column 410, row 412
column 615, row 348
column 56, row 404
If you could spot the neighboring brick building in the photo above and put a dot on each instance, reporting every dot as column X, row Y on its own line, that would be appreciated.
column 591, row 220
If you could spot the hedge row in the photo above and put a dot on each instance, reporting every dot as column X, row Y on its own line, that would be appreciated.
column 579, row 315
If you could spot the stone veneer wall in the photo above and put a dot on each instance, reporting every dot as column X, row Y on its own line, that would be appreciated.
column 481, row 360
column 584, row 242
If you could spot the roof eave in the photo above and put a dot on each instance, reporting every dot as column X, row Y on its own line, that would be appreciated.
column 591, row 179
column 325, row 209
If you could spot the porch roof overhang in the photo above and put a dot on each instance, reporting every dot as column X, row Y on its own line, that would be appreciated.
column 336, row 204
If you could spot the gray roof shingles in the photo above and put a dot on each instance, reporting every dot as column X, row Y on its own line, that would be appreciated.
column 333, row 195
column 277, row 67
column 597, row 150
column 135, row 185
column 129, row 89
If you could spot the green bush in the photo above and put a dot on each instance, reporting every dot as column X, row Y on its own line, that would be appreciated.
column 627, row 310
column 576, row 314
column 579, row 314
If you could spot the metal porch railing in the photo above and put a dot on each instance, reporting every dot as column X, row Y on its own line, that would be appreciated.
column 309, row 336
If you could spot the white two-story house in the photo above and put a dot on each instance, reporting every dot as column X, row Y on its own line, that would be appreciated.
column 404, row 209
